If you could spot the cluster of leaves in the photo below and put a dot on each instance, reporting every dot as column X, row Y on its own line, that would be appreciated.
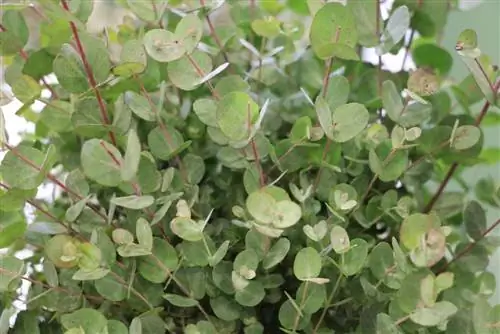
column 250, row 176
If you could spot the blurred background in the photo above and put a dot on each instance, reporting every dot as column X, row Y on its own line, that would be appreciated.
column 482, row 16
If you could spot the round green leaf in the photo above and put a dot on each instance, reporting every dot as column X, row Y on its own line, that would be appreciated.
column 139, row 105
column 69, row 71
column 101, row 162
column 86, row 118
column 26, row 89
column 189, row 31
column 433, row 316
column 333, row 25
column 268, row 27
column 116, row 327
column 465, row 137
column 286, row 214
column 187, row 228
column 307, row 264
column 225, row 308
column 235, row 114
column 433, row 56
column 248, row 259
column 164, row 142
column 251, row 295
column 187, row 72
column 261, row 206
column 339, row 239
column 163, row 46
column 276, row 254
column 348, row 121
column 354, row 259
column 415, row 227
column 206, row 110
column 90, row 320
column 195, row 168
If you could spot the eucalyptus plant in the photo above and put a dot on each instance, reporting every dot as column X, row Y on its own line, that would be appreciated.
column 241, row 167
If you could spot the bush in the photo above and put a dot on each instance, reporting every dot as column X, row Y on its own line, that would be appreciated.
column 243, row 169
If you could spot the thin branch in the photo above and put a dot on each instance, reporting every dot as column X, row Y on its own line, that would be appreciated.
column 90, row 75
column 467, row 249
column 201, row 75
column 454, row 166
column 52, row 178
column 254, row 150
column 163, row 128
column 214, row 35
column 56, row 288
column 328, row 302
column 407, row 50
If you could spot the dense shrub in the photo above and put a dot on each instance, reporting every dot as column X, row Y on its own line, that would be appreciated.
column 240, row 167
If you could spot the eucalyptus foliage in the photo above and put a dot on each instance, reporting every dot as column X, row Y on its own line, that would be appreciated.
column 240, row 167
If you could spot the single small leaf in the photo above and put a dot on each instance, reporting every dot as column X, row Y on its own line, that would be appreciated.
column 163, row 46
column 355, row 258
column 307, row 264
column 132, row 156
column 434, row 315
column 276, row 254
column 180, row 301
column 188, row 72
column 235, row 114
column 133, row 202
column 339, row 240
column 101, row 162
column 144, row 233
column 90, row 275
column 219, row 254
column 465, row 137
column 348, row 121
column 474, row 220
column 189, row 31
column 90, row 320
column 333, row 28
column 187, row 228
column 139, row 105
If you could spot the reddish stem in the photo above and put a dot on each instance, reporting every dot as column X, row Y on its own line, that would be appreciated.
column 255, row 152
column 214, row 35
column 90, row 75
column 471, row 245
column 201, row 74
column 454, row 166
column 52, row 178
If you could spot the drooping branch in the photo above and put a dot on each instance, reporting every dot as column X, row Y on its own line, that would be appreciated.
column 467, row 249
column 454, row 166
column 90, row 75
